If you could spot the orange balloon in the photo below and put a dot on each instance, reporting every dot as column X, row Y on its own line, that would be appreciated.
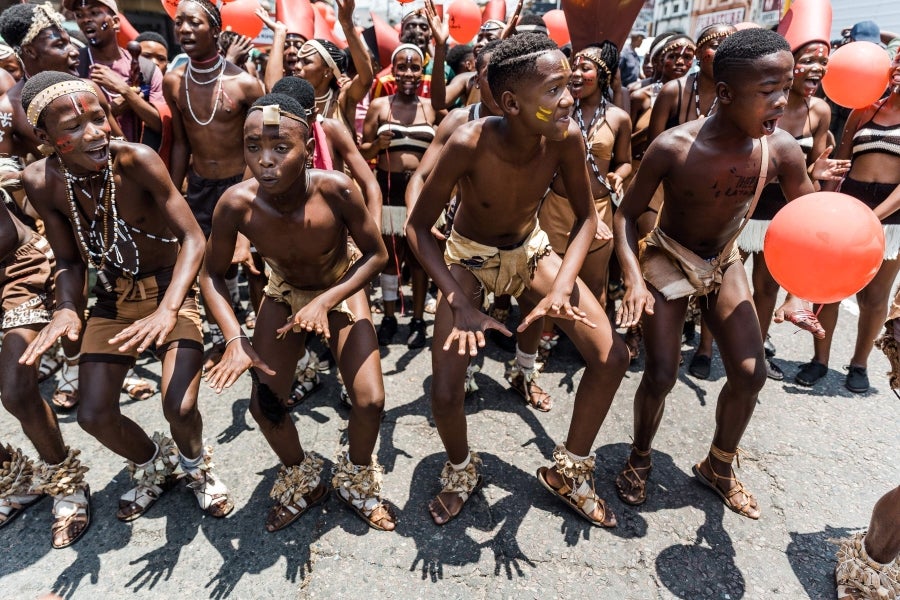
column 556, row 26
column 240, row 17
column 405, row 1
column 858, row 73
column 170, row 6
column 824, row 246
column 464, row 20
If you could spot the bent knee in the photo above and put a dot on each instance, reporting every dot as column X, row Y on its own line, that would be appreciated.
column 750, row 377
column 96, row 421
column 659, row 380
column 19, row 391
column 181, row 411
column 368, row 403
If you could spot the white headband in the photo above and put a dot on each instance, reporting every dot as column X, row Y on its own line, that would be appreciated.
column 320, row 49
column 404, row 48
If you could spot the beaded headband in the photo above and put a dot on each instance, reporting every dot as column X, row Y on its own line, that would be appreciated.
column 272, row 115
column 5, row 51
column 212, row 18
column 316, row 47
column 416, row 13
column 592, row 55
column 48, row 95
column 491, row 25
column 404, row 48
column 678, row 43
column 532, row 28
column 44, row 16
column 712, row 36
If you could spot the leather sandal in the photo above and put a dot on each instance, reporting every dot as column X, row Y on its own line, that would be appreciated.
column 745, row 507
column 72, row 517
column 282, row 515
column 65, row 397
column 631, row 482
column 138, row 388
column 524, row 382
column 806, row 320
column 463, row 483
column 577, row 490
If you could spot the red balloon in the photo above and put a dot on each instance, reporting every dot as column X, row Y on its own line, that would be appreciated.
column 556, row 26
column 464, row 20
column 240, row 17
column 858, row 73
column 824, row 246
column 171, row 6
column 405, row 1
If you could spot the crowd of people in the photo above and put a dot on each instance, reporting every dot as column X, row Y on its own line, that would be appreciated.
column 137, row 197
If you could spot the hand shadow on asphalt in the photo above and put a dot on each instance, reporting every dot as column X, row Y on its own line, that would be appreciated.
column 248, row 549
column 813, row 557
column 239, row 411
column 450, row 544
column 106, row 534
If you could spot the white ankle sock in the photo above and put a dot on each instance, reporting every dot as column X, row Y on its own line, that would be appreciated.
column 576, row 457
column 524, row 359
column 191, row 464
column 390, row 285
column 155, row 452
column 463, row 464
column 303, row 362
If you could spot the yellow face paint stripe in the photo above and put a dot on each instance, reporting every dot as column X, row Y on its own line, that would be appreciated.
column 543, row 114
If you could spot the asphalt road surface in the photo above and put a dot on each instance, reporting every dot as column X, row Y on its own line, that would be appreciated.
column 817, row 459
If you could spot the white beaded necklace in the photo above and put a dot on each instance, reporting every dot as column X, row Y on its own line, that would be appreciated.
column 187, row 92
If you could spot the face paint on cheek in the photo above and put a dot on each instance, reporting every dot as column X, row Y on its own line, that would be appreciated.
column 65, row 145
column 543, row 114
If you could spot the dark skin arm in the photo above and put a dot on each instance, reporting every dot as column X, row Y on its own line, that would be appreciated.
column 665, row 106
column 372, row 144
column 653, row 169
column 440, row 32
column 69, row 282
column 9, row 234
column 143, row 165
column 344, row 144
column 361, row 83
column 181, row 146
column 143, row 110
column 275, row 64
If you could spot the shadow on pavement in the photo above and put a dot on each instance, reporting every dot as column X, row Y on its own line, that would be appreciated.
column 812, row 557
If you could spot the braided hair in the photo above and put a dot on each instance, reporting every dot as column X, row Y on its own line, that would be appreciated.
column 514, row 61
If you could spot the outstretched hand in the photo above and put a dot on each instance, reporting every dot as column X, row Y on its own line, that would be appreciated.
column 152, row 329
column 513, row 21
column 65, row 322
column 238, row 357
column 829, row 169
column 558, row 306
column 636, row 301
column 440, row 30
column 312, row 318
column 272, row 24
column 468, row 330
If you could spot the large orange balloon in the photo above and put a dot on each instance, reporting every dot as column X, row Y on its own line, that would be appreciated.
column 858, row 73
column 824, row 247
column 240, row 17
column 556, row 26
column 171, row 6
column 464, row 20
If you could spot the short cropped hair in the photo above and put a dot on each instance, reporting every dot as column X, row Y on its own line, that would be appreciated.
column 152, row 36
column 38, row 83
column 742, row 48
column 299, row 89
column 457, row 55
column 485, row 53
column 515, row 61
column 15, row 22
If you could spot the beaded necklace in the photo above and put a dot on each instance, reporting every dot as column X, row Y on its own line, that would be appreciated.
column 327, row 99
column 695, row 89
column 187, row 90
column 107, row 239
column 599, row 113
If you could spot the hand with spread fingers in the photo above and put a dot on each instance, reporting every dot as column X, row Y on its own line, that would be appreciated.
column 469, row 325
column 312, row 318
column 243, row 256
column 513, row 21
column 829, row 169
column 238, row 357
column 636, row 301
column 440, row 30
column 153, row 329
column 65, row 322
column 557, row 305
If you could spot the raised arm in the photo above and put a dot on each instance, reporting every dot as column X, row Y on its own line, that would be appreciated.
column 275, row 64
column 440, row 31
column 345, row 146
column 361, row 83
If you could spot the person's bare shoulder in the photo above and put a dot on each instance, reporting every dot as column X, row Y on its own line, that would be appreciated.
column 819, row 107
column 332, row 185
column 455, row 118
column 36, row 180
column 616, row 116
column 130, row 155
column 172, row 78
column 238, row 199
column 783, row 146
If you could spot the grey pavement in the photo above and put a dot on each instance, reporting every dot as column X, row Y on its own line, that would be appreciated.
column 817, row 459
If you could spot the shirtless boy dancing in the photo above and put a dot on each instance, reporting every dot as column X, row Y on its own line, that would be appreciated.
column 503, row 166
column 712, row 170
column 111, row 205
column 314, row 287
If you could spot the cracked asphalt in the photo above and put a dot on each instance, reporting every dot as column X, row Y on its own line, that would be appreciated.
column 817, row 459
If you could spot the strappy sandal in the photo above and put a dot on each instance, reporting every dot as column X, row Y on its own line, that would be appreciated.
column 359, row 487
column 16, row 486
column 64, row 482
column 806, row 320
column 151, row 479
column 250, row 319
column 306, row 383
column 463, row 483
column 65, row 397
column 524, row 382
column 72, row 517
column 859, row 577
column 630, row 483
column 296, row 490
column 546, row 345
column 633, row 338
column 743, row 508
column 50, row 364
column 211, row 493
column 579, row 495
column 138, row 388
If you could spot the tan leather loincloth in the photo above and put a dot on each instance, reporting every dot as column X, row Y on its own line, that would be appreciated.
column 677, row 272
